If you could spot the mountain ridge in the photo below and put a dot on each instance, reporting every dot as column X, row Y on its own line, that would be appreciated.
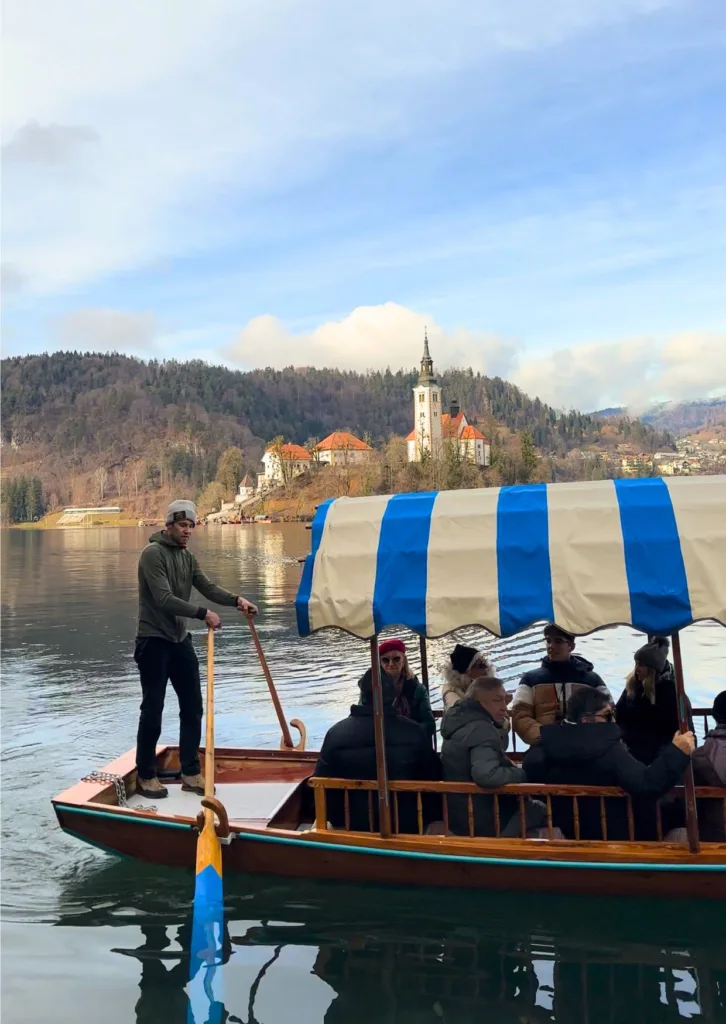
column 67, row 415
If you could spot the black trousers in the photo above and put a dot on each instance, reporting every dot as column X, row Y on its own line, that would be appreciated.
column 160, row 661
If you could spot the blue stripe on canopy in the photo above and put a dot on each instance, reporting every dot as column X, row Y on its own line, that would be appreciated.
column 523, row 558
column 659, row 598
column 302, row 601
column 402, row 563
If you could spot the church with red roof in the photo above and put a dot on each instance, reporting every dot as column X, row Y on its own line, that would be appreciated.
column 434, row 430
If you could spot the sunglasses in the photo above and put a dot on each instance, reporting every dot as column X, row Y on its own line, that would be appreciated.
column 391, row 659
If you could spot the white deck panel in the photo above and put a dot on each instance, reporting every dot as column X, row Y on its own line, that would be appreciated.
column 244, row 801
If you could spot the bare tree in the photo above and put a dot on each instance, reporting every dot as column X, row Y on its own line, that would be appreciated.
column 119, row 476
column 136, row 472
column 101, row 477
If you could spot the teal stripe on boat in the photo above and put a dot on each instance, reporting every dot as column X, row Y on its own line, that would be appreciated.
column 414, row 855
column 466, row 859
column 123, row 817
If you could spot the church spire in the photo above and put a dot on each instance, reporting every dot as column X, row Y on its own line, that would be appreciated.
column 426, row 376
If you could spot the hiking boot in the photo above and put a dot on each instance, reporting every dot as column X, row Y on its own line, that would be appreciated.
column 193, row 783
column 151, row 788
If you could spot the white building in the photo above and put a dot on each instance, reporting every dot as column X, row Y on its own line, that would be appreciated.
column 342, row 449
column 435, row 429
column 246, row 490
column 282, row 466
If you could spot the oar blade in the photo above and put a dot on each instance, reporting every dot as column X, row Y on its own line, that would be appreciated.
column 207, row 941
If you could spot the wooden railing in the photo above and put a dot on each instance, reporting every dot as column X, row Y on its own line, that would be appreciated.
column 520, row 791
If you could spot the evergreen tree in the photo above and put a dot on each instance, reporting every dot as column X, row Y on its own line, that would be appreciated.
column 528, row 454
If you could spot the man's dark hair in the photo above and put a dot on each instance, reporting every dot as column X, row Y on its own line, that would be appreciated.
column 719, row 708
column 388, row 688
column 586, row 701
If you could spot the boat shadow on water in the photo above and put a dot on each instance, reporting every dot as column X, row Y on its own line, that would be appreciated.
column 418, row 956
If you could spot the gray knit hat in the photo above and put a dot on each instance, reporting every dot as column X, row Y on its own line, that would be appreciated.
column 181, row 509
column 654, row 654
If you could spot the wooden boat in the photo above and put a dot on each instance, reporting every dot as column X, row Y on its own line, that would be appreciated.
column 650, row 554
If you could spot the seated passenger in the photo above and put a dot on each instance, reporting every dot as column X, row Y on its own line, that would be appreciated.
column 543, row 693
column 647, row 711
column 709, row 769
column 461, row 668
column 412, row 700
column 349, row 752
column 577, row 753
column 474, row 750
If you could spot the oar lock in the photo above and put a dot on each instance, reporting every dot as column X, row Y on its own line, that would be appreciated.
column 222, row 828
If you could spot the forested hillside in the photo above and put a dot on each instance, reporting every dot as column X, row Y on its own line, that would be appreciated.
column 67, row 416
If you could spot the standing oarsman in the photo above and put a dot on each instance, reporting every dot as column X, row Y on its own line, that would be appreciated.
column 164, row 651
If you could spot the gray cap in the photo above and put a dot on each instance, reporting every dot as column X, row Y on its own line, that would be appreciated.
column 181, row 509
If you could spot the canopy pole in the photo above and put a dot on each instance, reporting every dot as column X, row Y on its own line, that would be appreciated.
column 691, row 810
column 425, row 674
column 384, row 803
column 424, row 662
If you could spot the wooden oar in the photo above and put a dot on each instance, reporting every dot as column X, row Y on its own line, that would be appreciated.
column 205, row 1001
column 286, row 737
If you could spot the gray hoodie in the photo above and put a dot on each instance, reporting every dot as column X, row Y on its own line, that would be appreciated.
column 167, row 573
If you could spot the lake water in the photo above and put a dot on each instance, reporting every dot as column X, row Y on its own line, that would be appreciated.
column 86, row 937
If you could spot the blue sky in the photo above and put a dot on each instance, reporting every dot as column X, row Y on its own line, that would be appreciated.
column 269, row 182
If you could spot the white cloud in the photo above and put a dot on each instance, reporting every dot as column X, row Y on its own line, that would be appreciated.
column 107, row 330
column 630, row 371
column 189, row 99
column 47, row 144
column 11, row 280
column 587, row 376
column 371, row 337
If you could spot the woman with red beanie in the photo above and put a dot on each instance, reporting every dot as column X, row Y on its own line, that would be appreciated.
column 412, row 700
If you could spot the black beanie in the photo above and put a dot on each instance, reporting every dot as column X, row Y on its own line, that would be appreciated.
column 719, row 708
column 462, row 657
column 654, row 654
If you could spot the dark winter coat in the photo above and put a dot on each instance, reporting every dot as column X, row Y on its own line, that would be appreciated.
column 416, row 703
column 474, row 750
column 349, row 752
column 594, row 755
column 542, row 695
column 649, row 726
column 709, row 769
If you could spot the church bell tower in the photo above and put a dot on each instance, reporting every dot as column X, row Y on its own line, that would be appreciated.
column 427, row 409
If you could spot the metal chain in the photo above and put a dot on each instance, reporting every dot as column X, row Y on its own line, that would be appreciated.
column 119, row 786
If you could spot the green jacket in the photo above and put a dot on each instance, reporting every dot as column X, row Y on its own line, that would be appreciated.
column 418, row 701
column 167, row 574
column 474, row 750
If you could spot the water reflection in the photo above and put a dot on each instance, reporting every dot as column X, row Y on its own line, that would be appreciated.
column 360, row 954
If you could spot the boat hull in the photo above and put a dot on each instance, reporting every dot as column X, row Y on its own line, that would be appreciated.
column 300, row 856
column 268, row 841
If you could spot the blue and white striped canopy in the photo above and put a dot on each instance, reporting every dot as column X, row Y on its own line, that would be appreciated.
column 649, row 553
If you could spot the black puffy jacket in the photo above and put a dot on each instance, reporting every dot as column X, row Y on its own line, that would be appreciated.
column 349, row 752
column 594, row 755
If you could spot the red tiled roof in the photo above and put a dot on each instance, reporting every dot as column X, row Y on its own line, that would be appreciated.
column 470, row 433
column 293, row 452
column 411, row 436
column 341, row 439
column 450, row 427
